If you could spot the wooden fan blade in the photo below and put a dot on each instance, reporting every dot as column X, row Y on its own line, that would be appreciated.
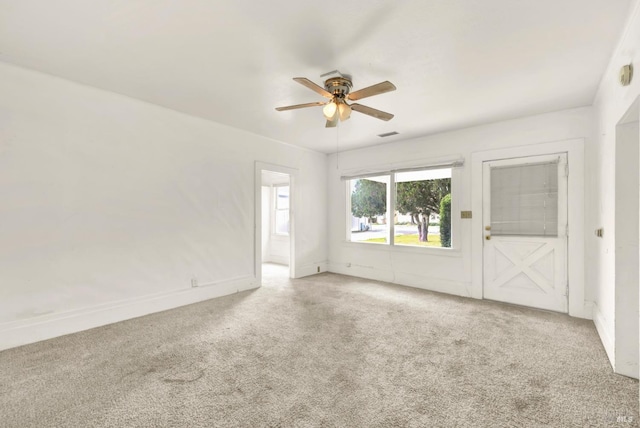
column 380, row 88
column 378, row 114
column 317, row 103
column 309, row 84
column 332, row 123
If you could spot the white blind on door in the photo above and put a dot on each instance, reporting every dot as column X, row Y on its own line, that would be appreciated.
column 524, row 199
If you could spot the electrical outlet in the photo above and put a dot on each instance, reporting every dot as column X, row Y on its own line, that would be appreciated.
column 194, row 282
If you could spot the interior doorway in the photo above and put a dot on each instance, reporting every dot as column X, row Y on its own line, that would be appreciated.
column 275, row 225
column 627, row 240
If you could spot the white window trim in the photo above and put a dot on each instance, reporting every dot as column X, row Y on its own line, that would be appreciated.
column 456, row 179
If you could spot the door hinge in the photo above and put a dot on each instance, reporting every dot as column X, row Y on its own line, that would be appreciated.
column 567, row 229
column 567, row 290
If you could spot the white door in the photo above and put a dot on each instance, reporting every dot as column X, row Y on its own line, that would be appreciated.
column 525, row 233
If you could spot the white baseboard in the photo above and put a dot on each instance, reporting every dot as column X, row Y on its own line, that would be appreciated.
column 439, row 285
column 606, row 335
column 18, row 333
column 311, row 269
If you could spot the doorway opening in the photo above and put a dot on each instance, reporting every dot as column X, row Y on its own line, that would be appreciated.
column 275, row 231
column 627, row 240
column 276, row 224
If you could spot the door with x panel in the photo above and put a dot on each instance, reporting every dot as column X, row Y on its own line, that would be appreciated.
column 525, row 231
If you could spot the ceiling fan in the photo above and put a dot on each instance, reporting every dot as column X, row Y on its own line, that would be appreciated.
column 337, row 89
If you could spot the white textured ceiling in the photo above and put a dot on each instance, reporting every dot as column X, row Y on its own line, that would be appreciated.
column 455, row 63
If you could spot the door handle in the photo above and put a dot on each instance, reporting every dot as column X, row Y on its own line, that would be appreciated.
column 488, row 237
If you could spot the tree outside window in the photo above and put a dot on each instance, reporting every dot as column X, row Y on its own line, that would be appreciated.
column 369, row 209
column 418, row 199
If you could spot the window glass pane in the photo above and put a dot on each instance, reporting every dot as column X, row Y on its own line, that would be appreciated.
column 282, row 222
column 524, row 200
column 369, row 214
column 419, row 197
column 282, row 198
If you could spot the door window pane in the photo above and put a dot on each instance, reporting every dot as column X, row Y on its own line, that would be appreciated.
column 524, row 200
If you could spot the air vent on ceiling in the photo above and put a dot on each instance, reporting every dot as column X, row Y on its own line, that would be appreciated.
column 388, row 134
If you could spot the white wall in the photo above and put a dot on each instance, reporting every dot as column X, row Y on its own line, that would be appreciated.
column 439, row 270
column 111, row 206
column 611, row 103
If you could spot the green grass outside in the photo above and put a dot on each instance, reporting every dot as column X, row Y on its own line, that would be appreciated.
column 434, row 240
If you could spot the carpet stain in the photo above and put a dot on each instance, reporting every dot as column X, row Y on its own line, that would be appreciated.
column 531, row 402
column 538, row 382
column 520, row 404
column 186, row 377
column 456, row 370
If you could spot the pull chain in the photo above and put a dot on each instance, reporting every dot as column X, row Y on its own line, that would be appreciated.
column 337, row 143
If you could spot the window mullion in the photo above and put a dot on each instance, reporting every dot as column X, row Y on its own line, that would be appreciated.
column 391, row 203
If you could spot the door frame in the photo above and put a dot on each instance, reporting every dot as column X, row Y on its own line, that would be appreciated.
column 626, row 265
column 558, row 242
column 257, row 216
column 574, row 148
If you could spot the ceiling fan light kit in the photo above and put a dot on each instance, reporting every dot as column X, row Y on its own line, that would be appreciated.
column 339, row 108
column 330, row 109
column 338, row 91
column 344, row 111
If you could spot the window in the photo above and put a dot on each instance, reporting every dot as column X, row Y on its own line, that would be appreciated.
column 419, row 196
column 421, row 207
column 281, row 206
column 369, row 215
column 524, row 199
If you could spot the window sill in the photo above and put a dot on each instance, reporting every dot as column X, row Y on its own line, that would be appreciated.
column 431, row 251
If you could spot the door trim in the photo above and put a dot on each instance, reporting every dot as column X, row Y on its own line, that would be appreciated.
column 552, row 293
column 575, row 214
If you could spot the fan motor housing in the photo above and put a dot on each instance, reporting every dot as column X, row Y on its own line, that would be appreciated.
column 338, row 86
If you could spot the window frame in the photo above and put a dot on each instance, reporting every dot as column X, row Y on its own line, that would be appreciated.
column 456, row 178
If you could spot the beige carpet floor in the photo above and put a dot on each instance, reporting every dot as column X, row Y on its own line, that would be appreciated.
column 324, row 351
